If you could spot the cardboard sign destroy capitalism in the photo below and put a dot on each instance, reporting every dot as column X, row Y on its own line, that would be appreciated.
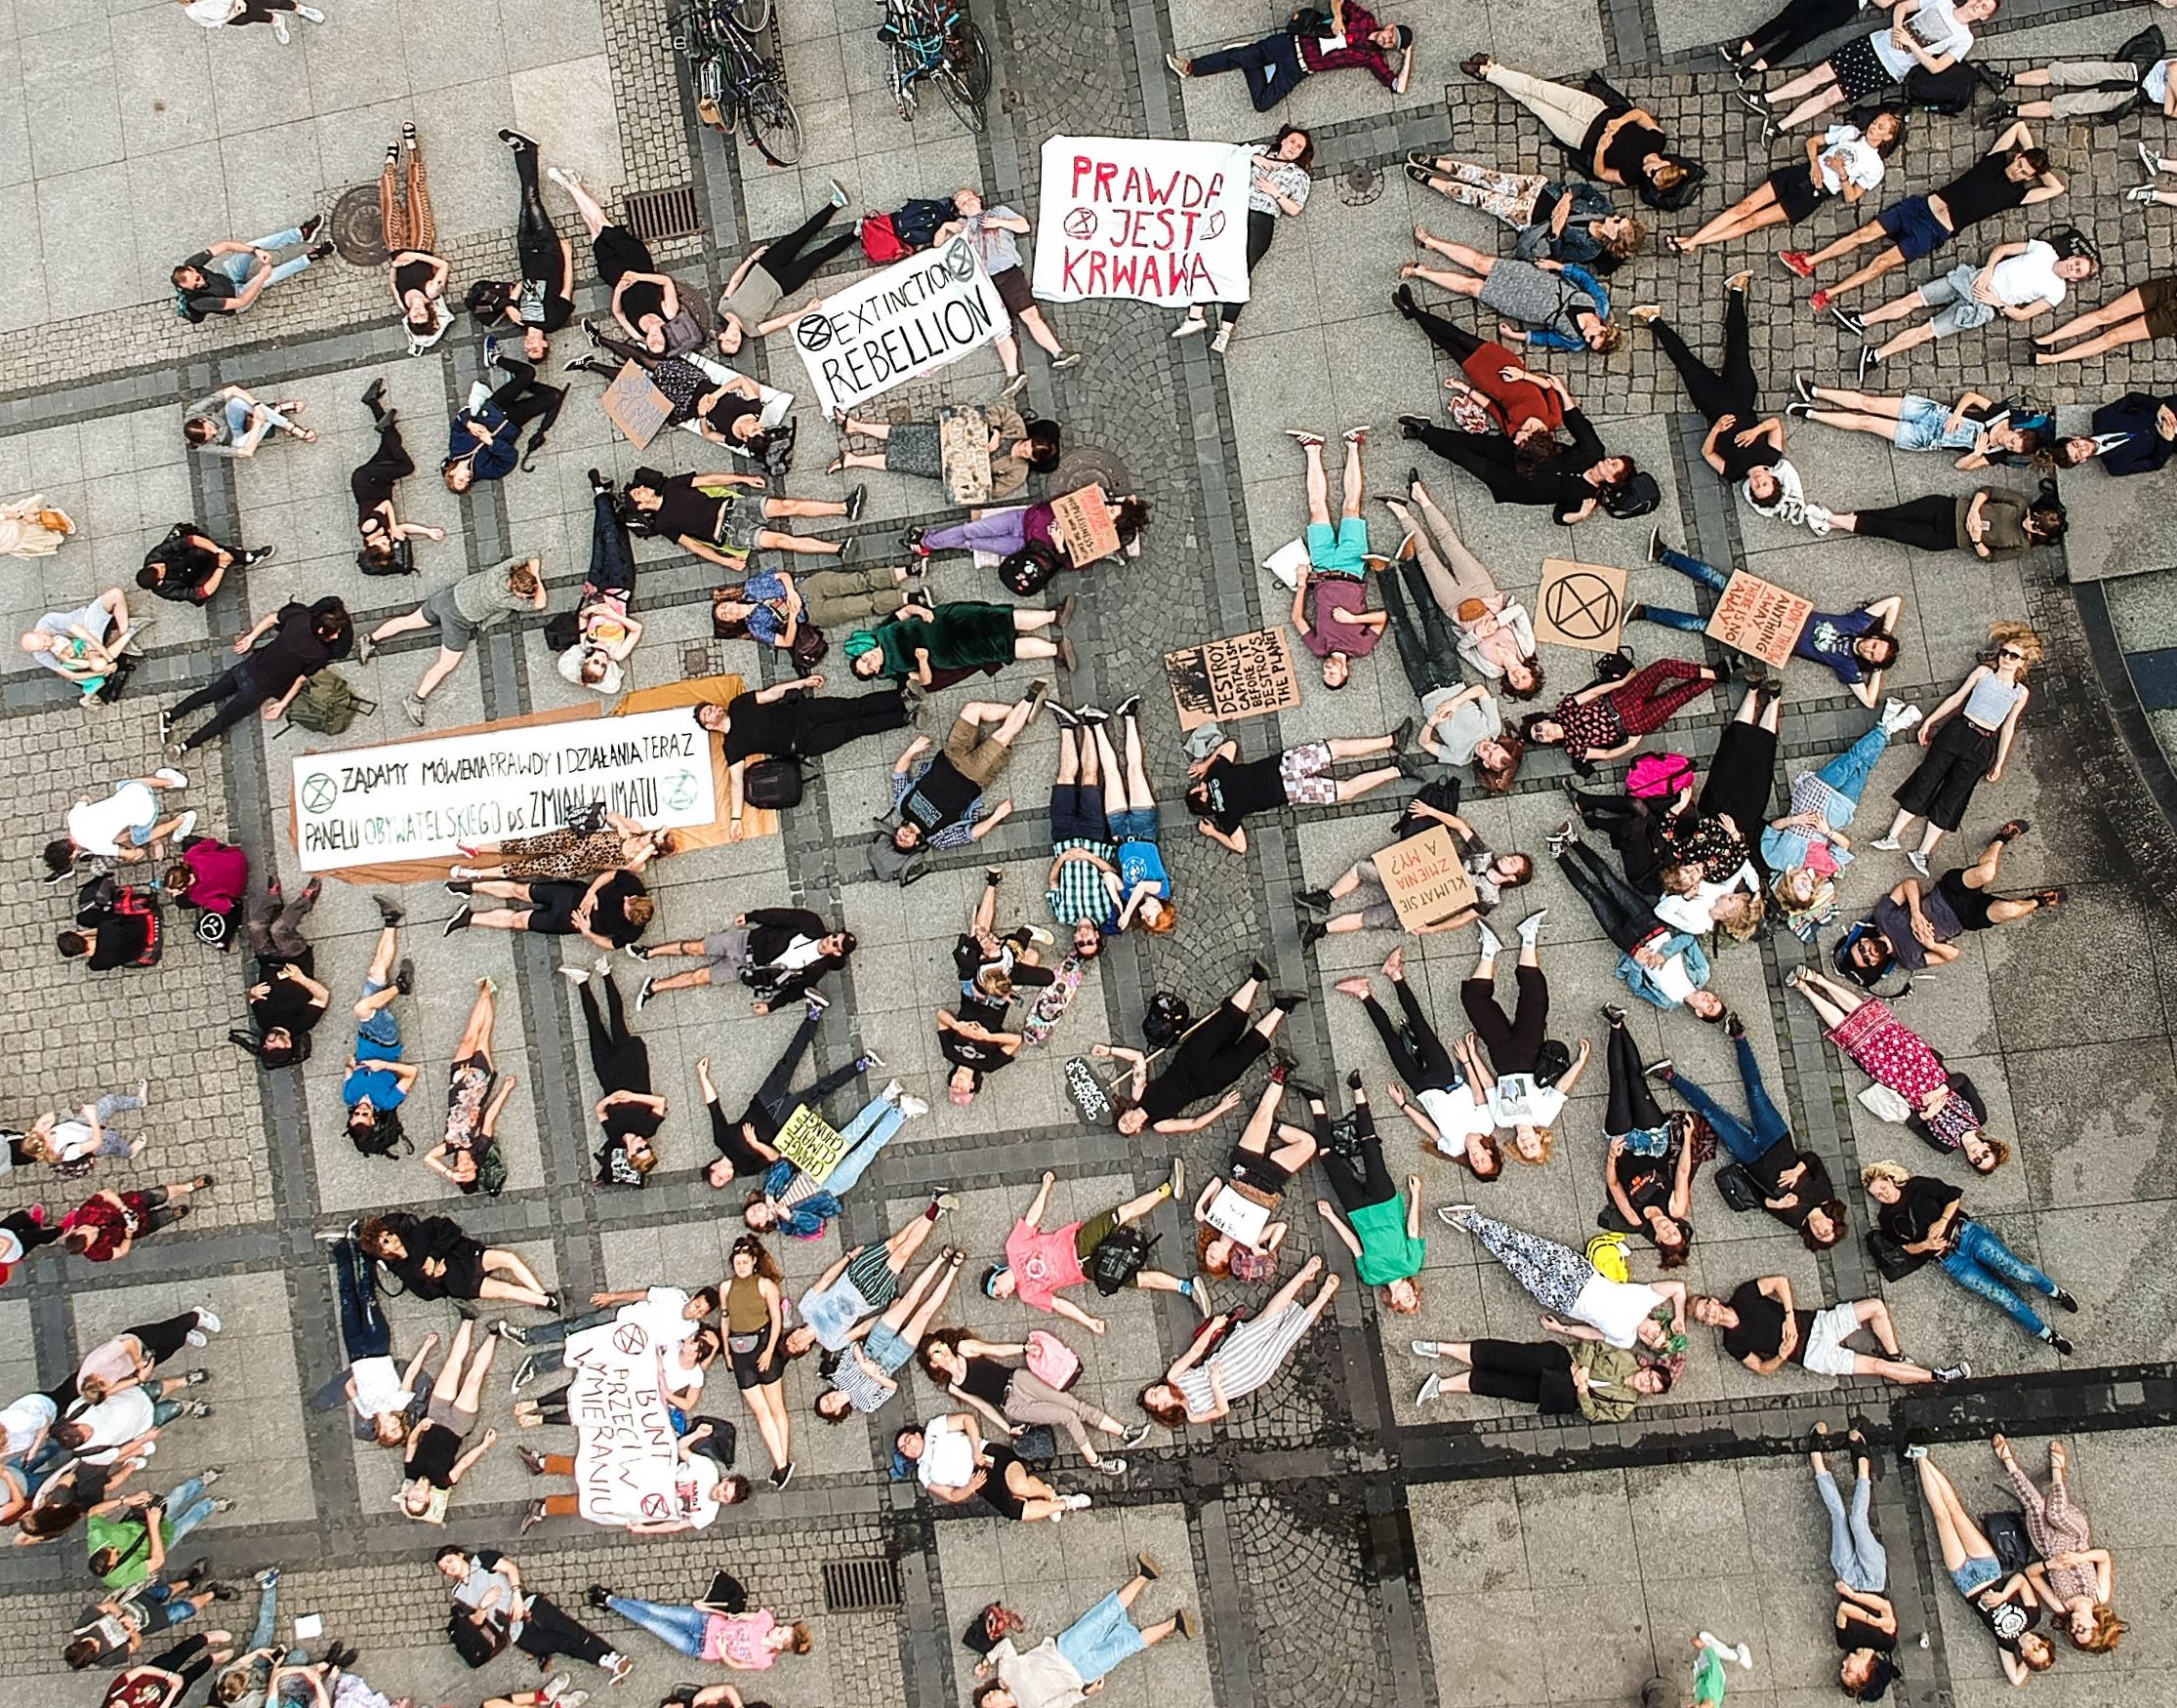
column 1425, row 878
column 1244, row 676
column 1759, row 617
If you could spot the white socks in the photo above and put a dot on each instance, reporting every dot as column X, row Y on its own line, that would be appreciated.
column 1531, row 927
column 1491, row 943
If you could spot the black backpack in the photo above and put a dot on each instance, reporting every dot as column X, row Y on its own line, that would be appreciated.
column 1030, row 569
column 773, row 784
column 1167, row 1017
column 478, row 1645
column 384, row 1138
column 1118, row 1259
column 1948, row 91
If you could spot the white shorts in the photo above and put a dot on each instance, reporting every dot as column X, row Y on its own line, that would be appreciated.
column 1826, row 1355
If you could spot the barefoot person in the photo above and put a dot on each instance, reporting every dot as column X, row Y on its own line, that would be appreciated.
column 2003, row 1602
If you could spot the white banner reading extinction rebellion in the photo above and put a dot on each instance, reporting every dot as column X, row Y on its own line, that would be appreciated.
column 1139, row 217
column 625, row 1469
column 909, row 320
column 421, row 800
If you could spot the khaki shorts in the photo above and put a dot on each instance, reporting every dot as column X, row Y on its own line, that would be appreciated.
column 975, row 751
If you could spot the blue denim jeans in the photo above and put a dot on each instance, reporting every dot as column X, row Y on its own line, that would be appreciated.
column 868, row 1133
column 1849, row 771
column 238, row 267
column 1855, row 1556
column 670, row 1622
column 1271, row 67
column 1983, row 1264
column 1706, row 574
column 1745, row 1144
column 186, row 1506
column 1101, row 1639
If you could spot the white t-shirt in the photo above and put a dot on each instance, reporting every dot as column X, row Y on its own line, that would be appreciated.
column 26, row 1422
column 2030, row 276
column 1671, row 978
column 658, row 1313
column 1456, row 1116
column 2156, row 81
column 1690, row 912
column 1935, row 25
column 1519, row 1101
column 114, row 1423
column 103, row 827
column 948, row 1456
column 1616, row 1309
column 378, row 1387
column 1862, row 165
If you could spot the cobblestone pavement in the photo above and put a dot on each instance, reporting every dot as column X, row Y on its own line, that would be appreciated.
column 1342, row 1544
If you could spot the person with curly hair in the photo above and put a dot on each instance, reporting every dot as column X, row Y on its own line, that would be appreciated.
column 2072, row 1578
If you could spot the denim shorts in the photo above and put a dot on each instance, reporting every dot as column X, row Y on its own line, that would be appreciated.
column 380, row 1030
column 888, row 1349
column 1921, row 427
column 1977, row 1573
column 1134, row 824
column 1077, row 813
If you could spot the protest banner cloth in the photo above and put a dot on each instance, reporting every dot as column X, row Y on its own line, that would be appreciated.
column 1158, row 220
column 1082, row 523
column 1759, row 617
column 1580, row 605
column 911, row 320
column 809, row 1142
column 1425, row 878
column 1244, row 676
column 964, row 454
column 627, row 1470
column 423, row 800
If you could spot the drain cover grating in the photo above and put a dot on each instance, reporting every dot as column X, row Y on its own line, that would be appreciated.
column 860, row 1586
column 1090, row 466
column 655, row 214
column 355, row 228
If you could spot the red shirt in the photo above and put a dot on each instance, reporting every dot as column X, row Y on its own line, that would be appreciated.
column 1511, row 401
column 1360, row 24
column 111, row 1223
column 1043, row 1264
column 142, row 1687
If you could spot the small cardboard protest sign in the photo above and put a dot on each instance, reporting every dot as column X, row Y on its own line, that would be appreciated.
column 1759, row 617
column 1243, row 676
column 1083, row 521
column 963, row 453
column 809, row 1142
column 1580, row 605
column 637, row 407
column 1425, row 878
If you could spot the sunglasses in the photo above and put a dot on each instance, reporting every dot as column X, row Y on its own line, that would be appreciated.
column 2009, row 652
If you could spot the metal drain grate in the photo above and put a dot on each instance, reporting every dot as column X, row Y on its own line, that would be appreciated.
column 355, row 228
column 860, row 1586
column 655, row 214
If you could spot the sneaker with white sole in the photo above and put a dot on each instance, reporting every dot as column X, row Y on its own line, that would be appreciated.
column 1454, row 1215
column 1888, row 845
column 279, row 30
column 187, row 823
column 1898, row 715
column 913, row 1107
column 1429, row 1390
column 1427, row 1349
column 1112, row 1465
column 891, row 1091
column 1223, row 341
column 168, row 774
column 1916, row 860
column 1190, row 326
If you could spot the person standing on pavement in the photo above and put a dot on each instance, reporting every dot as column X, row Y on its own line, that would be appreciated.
column 478, row 601
column 229, row 276
column 994, row 232
column 221, row 14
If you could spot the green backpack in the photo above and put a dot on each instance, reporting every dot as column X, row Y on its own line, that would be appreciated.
column 327, row 705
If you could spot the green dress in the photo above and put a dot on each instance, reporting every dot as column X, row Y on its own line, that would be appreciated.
column 966, row 635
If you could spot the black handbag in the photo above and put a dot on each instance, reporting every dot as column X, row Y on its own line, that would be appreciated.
column 478, row 1643
column 1892, row 1258
column 1738, row 1187
column 1036, row 1445
column 2007, row 1535
column 1311, row 21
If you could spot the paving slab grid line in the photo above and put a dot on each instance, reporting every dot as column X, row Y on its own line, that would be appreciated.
column 1342, row 1546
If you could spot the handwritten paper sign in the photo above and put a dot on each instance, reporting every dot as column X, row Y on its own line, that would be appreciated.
column 1759, row 617
column 964, row 454
column 809, row 1142
column 635, row 406
column 422, row 800
column 624, row 1461
column 1425, row 878
column 1244, row 675
column 1157, row 220
column 895, row 326
column 1083, row 521
column 1580, row 605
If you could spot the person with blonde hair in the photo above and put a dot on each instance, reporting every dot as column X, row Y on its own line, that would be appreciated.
column 1979, row 722
column 2070, row 1578
column 1923, row 1218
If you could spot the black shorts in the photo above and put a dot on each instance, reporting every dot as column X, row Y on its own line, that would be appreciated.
column 1013, row 289
column 751, row 1369
column 1245, row 1168
column 1796, row 193
column 1970, row 904
column 552, row 907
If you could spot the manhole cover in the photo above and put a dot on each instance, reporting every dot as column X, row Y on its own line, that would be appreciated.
column 1090, row 465
column 1361, row 185
column 355, row 228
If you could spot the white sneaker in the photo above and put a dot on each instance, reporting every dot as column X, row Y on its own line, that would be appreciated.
column 1490, row 943
column 1888, row 845
column 205, row 1321
column 565, row 179
column 311, row 13
column 280, row 28
column 1918, row 860
column 187, row 821
column 575, row 975
column 168, row 774
column 1427, row 1349
column 913, row 1107
column 1223, row 341
column 1454, row 1215
column 1897, row 717
column 556, row 1685
column 891, row 1091
column 1429, row 1390
column 1189, row 326
column 1531, row 927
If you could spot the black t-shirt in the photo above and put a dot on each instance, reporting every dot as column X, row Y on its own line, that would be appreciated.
column 1814, row 1188
column 214, row 294
column 987, row 1380
column 1632, row 146
column 287, row 1003
column 413, row 275
column 941, row 797
column 1857, row 1634
column 2006, row 1621
column 753, row 727
column 642, row 297
column 122, row 941
column 539, row 304
column 608, row 917
column 682, row 510
column 432, row 1452
column 1760, row 1329
column 1924, row 1200
column 1647, row 1180
column 293, row 650
column 613, row 1167
column 1983, row 190
column 1237, row 787
column 728, row 410
column 969, row 1052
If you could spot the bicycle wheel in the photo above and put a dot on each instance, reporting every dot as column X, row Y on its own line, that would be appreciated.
column 963, row 80
column 774, row 127
column 752, row 15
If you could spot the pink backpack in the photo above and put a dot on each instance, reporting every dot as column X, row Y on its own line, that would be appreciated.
column 1658, row 775
column 1052, row 1358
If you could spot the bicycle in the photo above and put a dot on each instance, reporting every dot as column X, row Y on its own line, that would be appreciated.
column 734, row 81
column 936, row 40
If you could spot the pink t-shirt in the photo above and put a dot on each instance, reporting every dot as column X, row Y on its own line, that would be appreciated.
column 1043, row 1264
column 1329, row 630
column 740, row 1640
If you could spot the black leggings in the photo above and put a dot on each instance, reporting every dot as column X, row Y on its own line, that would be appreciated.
column 548, row 1630
column 260, row 11
column 620, row 1059
column 775, row 1097
column 783, row 257
column 162, row 1340
column 1490, row 458
column 235, row 691
column 1627, row 917
column 525, row 399
column 1357, row 1175
column 611, row 555
column 373, row 484
column 1632, row 1105
column 1926, row 524
column 1428, row 650
column 1800, row 21
column 1635, row 835
column 1418, row 1056
column 1536, row 1373
column 1447, row 336
column 1512, row 1044
column 536, row 240
column 1262, row 229
column 1731, row 388
column 821, row 725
